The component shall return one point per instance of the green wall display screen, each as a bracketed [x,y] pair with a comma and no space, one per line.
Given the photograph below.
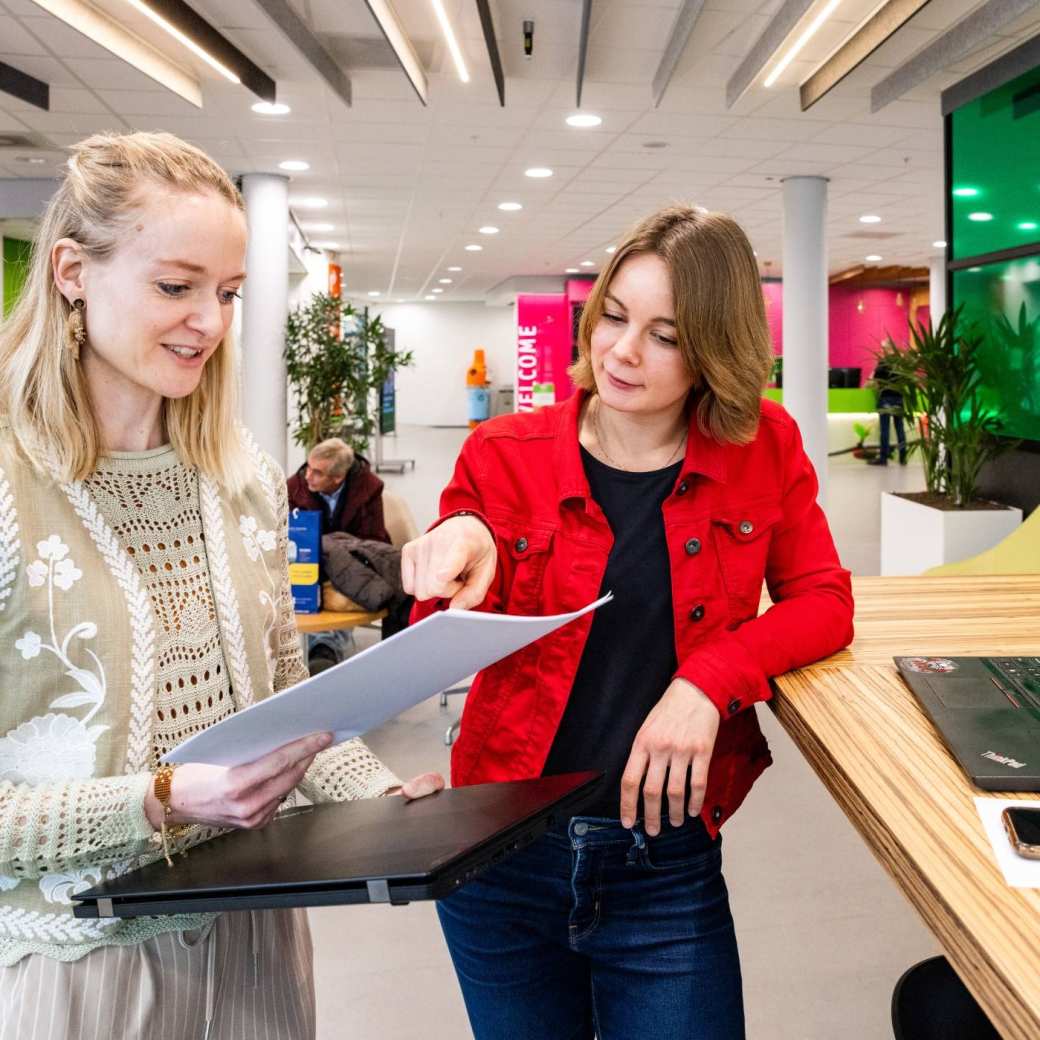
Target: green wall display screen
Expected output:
[16,270]
[1003,299]
[995,170]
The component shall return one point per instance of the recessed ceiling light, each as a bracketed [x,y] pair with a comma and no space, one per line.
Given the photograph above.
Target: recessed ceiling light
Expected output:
[939,243]
[870,218]
[612,249]
[510,207]
[375,292]
[873,258]
[1026,225]
[317,227]
[538,171]
[571,270]
[473,248]
[444,281]
[309,203]
[271,108]
[454,268]
[980,216]
[655,145]
[583,120]
[488,229]
[429,297]
[588,263]
[436,290]
[294,165]
[965,193]
[33,160]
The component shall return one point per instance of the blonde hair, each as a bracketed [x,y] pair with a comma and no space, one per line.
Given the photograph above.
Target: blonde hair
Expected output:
[720,314]
[44,397]
[335,451]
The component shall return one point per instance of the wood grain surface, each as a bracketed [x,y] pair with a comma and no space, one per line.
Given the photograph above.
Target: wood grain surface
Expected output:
[330,621]
[877,753]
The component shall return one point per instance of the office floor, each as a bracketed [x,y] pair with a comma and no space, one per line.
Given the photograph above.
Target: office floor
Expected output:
[824,934]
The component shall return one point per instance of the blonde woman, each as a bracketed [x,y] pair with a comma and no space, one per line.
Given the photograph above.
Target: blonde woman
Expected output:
[669,481]
[143,596]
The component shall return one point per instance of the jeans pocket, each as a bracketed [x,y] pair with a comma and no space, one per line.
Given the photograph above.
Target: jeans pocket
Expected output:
[689,848]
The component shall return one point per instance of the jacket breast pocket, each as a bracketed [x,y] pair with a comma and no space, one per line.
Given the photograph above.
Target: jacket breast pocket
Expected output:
[525,551]
[742,539]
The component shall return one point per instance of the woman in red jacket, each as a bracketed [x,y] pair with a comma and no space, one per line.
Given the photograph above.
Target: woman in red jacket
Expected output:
[669,481]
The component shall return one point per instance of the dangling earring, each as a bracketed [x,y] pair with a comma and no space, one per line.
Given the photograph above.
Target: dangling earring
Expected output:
[75,329]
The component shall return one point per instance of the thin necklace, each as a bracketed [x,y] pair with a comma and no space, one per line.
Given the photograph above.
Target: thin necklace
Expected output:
[603,447]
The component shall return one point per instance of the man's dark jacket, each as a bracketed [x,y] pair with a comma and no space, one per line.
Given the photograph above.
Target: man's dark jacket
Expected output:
[359,510]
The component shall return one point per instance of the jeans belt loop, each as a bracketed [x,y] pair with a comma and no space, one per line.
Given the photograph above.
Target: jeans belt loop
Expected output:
[637,850]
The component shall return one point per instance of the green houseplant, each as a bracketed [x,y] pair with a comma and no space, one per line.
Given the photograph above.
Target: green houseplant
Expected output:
[940,379]
[335,357]
[939,376]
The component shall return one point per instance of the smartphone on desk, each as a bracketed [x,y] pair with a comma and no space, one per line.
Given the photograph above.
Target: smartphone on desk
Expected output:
[1023,830]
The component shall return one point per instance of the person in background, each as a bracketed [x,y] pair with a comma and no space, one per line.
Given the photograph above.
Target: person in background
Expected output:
[343,488]
[890,409]
[144,596]
[667,480]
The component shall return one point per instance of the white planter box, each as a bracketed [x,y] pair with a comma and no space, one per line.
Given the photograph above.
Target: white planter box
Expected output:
[915,537]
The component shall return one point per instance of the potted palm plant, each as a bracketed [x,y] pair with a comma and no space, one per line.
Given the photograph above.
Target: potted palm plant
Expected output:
[940,378]
[335,358]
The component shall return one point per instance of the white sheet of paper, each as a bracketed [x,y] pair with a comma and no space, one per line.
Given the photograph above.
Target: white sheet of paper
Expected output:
[1018,871]
[372,686]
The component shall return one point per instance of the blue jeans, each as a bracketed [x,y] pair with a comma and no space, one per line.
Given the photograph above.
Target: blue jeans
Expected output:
[595,930]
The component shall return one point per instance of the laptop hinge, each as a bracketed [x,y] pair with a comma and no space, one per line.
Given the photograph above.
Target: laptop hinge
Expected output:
[378,891]
[104,908]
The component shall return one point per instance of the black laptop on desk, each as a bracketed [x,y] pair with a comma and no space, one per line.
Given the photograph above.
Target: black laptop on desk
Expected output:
[987,709]
[379,850]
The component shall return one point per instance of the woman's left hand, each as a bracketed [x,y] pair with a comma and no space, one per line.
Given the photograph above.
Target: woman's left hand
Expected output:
[679,733]
[419,786]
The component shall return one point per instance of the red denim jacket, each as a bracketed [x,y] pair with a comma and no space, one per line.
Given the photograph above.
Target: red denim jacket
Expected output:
[738,515]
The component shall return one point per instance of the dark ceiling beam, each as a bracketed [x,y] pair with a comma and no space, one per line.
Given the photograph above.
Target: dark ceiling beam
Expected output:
[882,24]
[25,87]
[583,44]
[197,29]
[487,24]
[967,35]
[682,29]
[309,46]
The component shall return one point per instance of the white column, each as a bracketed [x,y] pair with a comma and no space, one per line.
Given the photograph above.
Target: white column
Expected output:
[805,315]
[936,288]
[265,307]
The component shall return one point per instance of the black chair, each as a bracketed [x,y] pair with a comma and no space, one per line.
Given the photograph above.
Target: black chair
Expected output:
[931,1003]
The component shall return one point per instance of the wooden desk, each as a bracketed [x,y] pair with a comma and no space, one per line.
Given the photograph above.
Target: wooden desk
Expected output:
[875,751]
[331,621]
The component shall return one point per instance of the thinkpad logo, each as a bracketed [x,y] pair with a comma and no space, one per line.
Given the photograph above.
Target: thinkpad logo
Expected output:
[1003,760]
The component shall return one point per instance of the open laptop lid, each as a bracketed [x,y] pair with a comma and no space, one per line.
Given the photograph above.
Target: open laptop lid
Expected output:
[374,850]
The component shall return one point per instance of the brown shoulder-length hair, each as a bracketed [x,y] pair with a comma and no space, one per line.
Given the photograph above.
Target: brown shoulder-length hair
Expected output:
[720,314]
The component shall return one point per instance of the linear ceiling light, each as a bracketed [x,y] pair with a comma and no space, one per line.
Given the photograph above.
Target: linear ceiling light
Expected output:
[810,31]
[114,38]
[453,44]
[390,25]
[487,25]
[183,40]
[884,23]
[682,28]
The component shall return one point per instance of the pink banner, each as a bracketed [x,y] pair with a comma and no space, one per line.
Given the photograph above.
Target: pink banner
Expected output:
[543,349]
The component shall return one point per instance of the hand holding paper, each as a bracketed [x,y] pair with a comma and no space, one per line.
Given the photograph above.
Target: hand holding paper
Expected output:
[373,686]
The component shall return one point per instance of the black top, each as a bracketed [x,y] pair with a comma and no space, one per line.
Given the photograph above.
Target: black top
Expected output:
[629,658]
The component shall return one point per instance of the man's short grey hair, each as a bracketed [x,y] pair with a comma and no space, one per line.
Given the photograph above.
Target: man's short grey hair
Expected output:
[336,452]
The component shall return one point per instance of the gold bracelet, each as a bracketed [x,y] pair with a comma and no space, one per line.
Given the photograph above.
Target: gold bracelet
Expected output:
[162,786]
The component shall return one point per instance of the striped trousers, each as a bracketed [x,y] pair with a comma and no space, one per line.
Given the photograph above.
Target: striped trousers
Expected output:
[246,977]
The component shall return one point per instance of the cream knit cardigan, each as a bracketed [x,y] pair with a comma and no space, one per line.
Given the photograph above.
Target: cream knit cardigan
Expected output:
[78,686]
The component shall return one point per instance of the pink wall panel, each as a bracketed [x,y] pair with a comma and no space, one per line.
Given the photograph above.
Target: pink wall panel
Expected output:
[774,294]
[860,319]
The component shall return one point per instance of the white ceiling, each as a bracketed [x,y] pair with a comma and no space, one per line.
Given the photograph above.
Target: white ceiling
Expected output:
[408,186]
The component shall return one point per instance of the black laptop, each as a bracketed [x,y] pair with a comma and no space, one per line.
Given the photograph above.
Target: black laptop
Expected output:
[988,712]
[379,850]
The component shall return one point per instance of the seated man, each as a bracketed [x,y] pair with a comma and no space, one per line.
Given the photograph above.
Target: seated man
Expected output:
[343,488]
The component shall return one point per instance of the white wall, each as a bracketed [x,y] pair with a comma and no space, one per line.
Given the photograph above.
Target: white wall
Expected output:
[442,337]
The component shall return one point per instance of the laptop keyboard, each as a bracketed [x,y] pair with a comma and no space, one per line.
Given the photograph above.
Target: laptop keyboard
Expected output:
[1022,674]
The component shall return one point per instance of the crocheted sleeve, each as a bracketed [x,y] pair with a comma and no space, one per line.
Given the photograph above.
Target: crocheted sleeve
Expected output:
[349,770]
[64,825]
